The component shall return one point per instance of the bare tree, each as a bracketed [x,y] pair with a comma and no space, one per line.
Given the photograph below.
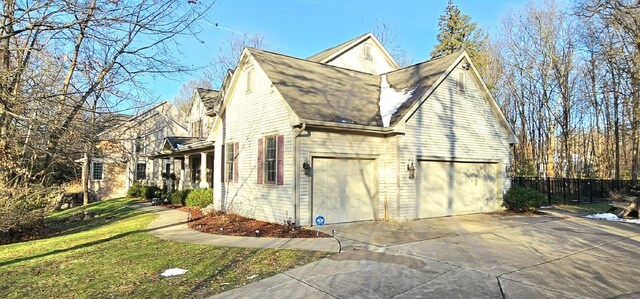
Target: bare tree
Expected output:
[55,56]
[387,35]
[183,98]
[229,54]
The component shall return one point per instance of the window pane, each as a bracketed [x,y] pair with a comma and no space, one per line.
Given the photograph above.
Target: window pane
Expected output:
[229,161]
[270,160]
[141,171]
[97,171]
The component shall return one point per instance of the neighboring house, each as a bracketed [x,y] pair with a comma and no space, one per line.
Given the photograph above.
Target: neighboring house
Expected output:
[349,135]
[123,155]
[190,157]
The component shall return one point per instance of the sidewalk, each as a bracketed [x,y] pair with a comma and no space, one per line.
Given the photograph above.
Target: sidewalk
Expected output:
[172,225]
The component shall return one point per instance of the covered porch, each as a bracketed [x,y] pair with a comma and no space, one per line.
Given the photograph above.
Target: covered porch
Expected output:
[187,163]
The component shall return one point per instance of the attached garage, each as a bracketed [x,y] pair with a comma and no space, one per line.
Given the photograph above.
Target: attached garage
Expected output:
[446,188]
[344,190]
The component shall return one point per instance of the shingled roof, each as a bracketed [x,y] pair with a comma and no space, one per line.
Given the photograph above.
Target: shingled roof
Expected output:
[321,92]
[419,78]
[208,97]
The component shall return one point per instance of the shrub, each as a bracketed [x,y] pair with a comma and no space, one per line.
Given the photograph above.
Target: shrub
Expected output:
[22,211]
[136,190]
[199,198]
[179,197]
[151,191]
[521,199]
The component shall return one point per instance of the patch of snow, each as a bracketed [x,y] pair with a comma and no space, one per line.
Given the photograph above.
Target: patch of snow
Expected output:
[252,276]
[546,207]
[611,217]
[391,100]
[173,272]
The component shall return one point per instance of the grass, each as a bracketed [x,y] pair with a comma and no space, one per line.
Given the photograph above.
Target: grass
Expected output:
[584,209]
[112,256]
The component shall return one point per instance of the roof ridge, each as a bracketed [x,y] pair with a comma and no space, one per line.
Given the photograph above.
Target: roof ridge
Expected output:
[457,53]
[311,61]
[336,48]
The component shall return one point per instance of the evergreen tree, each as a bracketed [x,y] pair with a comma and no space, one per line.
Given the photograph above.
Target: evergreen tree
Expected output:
[458,32]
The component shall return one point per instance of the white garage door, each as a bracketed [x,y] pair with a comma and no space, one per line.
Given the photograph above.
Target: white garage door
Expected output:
[447,188]
[344,190]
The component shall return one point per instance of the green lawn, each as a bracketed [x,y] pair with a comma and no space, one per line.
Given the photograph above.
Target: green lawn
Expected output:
[112,256]
[584,209]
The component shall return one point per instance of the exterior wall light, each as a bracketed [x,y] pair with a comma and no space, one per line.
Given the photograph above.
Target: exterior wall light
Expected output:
[307,167]
[411,169]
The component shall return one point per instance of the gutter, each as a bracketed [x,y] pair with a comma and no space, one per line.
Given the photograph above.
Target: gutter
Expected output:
[296,173]
[352,127]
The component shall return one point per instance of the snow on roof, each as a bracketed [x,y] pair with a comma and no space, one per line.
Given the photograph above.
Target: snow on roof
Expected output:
[391,99]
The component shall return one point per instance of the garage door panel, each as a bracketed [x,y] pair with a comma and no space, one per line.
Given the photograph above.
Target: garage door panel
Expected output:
[344,189]
[447,188]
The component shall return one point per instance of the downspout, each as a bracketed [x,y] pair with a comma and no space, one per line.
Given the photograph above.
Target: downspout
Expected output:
[296,174]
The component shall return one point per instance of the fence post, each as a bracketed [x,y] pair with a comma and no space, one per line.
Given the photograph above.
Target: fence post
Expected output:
[564,190]
[549,190]
[577,182]
[590,191]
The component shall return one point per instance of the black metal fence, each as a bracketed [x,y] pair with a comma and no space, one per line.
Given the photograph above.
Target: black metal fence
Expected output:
[573,191]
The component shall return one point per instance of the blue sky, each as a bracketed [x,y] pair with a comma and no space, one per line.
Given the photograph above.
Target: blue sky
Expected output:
[302,28]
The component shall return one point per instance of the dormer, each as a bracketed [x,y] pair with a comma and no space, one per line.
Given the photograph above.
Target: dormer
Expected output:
[198,122]
[363,53]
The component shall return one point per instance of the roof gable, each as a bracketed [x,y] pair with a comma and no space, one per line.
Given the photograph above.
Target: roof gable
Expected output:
[332,54]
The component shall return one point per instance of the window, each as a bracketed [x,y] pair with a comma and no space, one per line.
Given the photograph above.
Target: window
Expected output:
[97,170]
[195,169]
[229,161]
[249,80]
[367,52]
[167,167]
[461,81]
[139,145]
[141,171]
[270,159]
[196,128]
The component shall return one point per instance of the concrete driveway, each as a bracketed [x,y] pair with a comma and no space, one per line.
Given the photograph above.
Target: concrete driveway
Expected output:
[475,256]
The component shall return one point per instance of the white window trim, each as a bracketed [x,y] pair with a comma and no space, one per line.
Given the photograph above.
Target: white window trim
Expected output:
[91,171]
[367,52]
[265,172]
[250,80]
[145,170]
[228,171]
[462,84]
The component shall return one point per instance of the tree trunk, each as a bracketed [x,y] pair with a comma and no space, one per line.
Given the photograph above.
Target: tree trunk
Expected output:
[85,179]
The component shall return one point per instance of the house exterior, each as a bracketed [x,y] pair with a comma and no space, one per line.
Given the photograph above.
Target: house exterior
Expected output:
[124,151]
[189,157]
[349,135]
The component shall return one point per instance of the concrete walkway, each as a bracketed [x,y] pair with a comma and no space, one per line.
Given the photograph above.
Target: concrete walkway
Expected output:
[172,225]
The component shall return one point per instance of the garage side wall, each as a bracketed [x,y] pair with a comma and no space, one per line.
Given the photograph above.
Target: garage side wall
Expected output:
[453,125]
[337,145]
[250,115]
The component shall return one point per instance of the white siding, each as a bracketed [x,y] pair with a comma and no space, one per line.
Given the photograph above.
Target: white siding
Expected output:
[328,144]
[249,116]
[197,113]
[452,125]
[354,59]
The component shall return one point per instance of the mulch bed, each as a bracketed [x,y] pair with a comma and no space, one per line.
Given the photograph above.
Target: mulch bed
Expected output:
[220,223]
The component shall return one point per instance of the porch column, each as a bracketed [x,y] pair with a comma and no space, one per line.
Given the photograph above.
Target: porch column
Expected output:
[168,179]
[203,170]
[186,174]
[158,168]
